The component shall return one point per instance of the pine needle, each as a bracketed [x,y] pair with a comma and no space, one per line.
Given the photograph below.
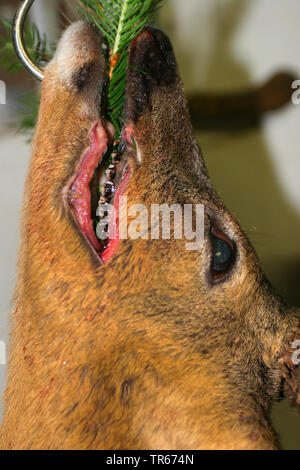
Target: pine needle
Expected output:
[39,49]
[120,21]
[27,112]
[41,52]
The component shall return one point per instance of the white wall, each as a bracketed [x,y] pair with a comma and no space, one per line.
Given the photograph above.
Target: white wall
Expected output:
[254,38]
[220,44]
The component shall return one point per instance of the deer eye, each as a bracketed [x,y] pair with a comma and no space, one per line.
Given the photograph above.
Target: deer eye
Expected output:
[223,254]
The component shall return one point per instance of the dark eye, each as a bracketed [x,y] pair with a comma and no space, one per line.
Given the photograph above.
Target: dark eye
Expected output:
[223,254]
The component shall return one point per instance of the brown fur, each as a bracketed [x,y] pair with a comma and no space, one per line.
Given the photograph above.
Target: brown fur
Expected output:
[145,352]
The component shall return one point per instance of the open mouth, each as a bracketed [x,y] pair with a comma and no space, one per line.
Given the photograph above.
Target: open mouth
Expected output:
[96,187]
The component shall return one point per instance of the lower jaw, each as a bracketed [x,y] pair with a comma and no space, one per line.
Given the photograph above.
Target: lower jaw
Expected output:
[79,194]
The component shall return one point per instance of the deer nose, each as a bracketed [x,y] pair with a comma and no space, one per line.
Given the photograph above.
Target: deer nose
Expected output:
[145,34]
[151,54]
[152,65]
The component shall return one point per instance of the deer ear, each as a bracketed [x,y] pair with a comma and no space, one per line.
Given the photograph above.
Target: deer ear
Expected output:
[290,365]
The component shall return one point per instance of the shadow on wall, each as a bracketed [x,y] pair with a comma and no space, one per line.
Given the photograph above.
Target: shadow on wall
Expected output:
[243,172]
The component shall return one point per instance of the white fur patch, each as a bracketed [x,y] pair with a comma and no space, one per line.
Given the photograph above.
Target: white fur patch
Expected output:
[138,155]
[79,45]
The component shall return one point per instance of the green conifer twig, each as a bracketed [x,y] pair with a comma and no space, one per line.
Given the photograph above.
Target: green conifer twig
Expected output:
[120,21]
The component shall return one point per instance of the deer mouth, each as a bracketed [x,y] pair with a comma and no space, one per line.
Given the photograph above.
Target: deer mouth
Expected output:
[95,190]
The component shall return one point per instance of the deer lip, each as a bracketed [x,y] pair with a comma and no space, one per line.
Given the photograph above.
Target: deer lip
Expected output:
[79,196]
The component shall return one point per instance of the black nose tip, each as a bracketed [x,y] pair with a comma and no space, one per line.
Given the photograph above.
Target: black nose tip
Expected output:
[152,54]
[151,65]
[145,34]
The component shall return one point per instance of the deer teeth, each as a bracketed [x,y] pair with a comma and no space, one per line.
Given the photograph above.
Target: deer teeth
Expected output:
[112,172]
[108,189]
[108,183]
[116,157]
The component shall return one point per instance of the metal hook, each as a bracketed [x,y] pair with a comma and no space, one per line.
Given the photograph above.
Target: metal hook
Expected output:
[18,40]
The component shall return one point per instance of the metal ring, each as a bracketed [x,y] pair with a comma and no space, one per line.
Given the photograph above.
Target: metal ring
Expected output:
[18,40]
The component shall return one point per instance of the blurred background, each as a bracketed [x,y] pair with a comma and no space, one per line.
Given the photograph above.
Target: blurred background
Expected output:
[222,47]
